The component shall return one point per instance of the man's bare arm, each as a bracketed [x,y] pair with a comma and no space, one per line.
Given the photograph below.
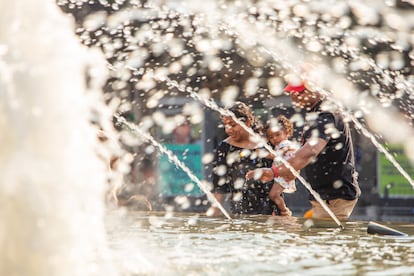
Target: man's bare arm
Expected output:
[298,161]
[302,157]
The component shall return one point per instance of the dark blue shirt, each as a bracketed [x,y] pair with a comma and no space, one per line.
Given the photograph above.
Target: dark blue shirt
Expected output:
[332,173]
[229,176]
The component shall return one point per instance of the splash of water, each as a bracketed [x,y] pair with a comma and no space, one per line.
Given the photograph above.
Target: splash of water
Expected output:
[52,180]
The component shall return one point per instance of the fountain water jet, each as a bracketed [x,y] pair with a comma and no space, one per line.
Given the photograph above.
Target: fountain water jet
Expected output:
[53,181]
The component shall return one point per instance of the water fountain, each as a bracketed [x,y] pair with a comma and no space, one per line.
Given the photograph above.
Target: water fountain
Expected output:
[55,181]
[52,180]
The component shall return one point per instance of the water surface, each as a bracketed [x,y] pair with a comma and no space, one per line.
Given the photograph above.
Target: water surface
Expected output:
[193,244]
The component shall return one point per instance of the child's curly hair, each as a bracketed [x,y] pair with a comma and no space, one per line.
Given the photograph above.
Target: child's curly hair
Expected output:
[280,122]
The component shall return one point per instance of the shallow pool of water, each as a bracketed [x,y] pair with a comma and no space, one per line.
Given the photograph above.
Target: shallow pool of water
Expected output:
[193,244]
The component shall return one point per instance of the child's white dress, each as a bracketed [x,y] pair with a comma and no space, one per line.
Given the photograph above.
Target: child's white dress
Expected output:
[286,149]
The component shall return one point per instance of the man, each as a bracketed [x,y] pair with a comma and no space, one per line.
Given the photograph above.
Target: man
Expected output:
[326,157]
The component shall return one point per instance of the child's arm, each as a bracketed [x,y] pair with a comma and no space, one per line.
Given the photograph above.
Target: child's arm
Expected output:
[263,153]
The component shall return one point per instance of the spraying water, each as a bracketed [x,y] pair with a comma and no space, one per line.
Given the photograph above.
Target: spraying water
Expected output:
[52,180]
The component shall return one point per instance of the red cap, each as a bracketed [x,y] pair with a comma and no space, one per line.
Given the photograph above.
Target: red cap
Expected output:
[295,88]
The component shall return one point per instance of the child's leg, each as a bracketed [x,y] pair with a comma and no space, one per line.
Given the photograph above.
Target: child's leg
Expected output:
[275,194]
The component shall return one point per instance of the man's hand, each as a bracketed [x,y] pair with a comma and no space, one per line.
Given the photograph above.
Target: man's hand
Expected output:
[264,174]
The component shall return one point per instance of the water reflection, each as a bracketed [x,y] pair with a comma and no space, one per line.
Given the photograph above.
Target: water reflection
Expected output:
[193,244]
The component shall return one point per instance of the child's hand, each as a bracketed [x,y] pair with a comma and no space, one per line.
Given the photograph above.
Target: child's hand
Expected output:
[250,174]
[264,174]
[288,152]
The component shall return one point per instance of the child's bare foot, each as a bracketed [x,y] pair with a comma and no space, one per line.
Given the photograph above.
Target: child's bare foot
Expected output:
[286,213]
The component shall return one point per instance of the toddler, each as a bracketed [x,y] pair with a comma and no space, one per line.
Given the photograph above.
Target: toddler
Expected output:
[278,131]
